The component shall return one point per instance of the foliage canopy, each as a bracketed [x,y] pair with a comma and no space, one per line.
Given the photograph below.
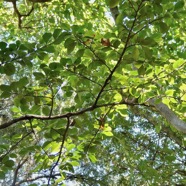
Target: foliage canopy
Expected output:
[92,92]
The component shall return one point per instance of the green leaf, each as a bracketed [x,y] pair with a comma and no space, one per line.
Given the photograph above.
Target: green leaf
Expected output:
[6,94]
[13,155]
[92,158]
[39,75]
[178,63]
[3,146]
[24,108]
[70,146]
[119,21]
[141,70]
[55,66]
[12,47]
[148,52]
[17,136]
[47,37]
[163,27]
[41,55]
[136,53]
[61,38]
[70,45]
[118,97]
[57,32]
[170,158]
[15,109]
[49,49]
[89,34]
[113,3]
[80,53]
[74,163]
[52,146]
[179,5]
[88,53]
[9,69]
[3,45]
[170,92]
[22,82]
[158,128]
[9,163]
[166,101]
[68,167]
[107,133]
[54,134]
[46,110]
[2,175]
[5,88]
[147,41]
[36,108]
[116,43]
[101,54]
[122,111]
[22,47]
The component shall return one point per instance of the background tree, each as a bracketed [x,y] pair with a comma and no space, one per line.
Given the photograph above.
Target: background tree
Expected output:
[92,91]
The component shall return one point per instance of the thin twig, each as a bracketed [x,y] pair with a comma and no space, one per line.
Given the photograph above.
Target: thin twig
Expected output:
[60,150]
[91,49]
[120,58]
[19,15]
[20,164]
[36,178]
[83,76]
[52,100]
[101,121]
[14,146]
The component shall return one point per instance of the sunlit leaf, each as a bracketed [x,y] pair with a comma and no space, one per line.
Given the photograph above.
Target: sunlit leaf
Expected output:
[136,53]
[178,63]
[70,146]
[74,163]
[118,97]
[170,92]
[107,133]
[92,158]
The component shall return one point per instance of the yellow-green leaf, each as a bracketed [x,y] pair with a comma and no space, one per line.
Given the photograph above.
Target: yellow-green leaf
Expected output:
[113,3]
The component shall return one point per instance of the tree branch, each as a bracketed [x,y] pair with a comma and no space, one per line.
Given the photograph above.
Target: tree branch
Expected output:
[19,14]
[20,164]
[36,178]
[169,115]
[69,114]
